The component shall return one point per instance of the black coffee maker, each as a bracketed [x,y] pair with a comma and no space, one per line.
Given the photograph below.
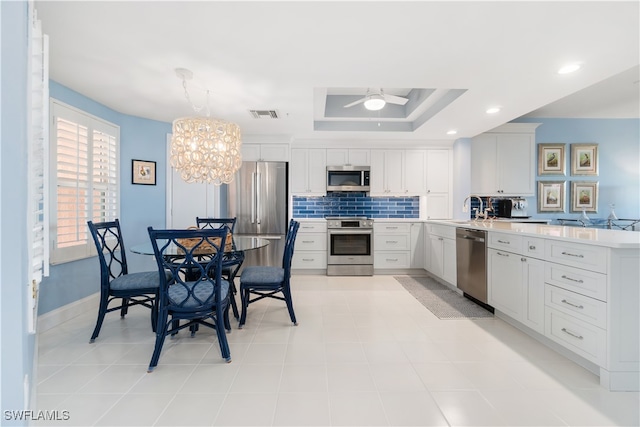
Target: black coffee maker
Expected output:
[512,208]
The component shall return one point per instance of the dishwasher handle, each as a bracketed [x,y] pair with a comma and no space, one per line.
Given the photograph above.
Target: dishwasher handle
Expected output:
[475,239]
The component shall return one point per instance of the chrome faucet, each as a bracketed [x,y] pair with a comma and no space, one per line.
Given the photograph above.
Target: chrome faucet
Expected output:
[479,212]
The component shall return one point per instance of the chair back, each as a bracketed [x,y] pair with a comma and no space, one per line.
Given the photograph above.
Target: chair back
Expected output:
[230,223]
[108,239]
[290,241]
[194,259]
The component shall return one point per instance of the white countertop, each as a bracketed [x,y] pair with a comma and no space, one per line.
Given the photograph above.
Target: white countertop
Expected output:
[593,236]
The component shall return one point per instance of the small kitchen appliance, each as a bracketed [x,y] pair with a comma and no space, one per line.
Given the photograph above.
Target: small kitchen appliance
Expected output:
[515,207]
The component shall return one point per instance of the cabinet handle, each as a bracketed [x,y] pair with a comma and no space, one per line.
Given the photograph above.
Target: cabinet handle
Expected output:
[575,255]
[440,238]
[572,305]
[572,279]
[392,241]
[392,259]
[388,227]
[532,248]
[307,241]
[501,254]
[502,241]
[580,337]
[308,259]
[523,259]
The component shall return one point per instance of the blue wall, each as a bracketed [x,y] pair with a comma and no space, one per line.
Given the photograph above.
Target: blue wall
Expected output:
[140,205]
[619,162]
[16,344]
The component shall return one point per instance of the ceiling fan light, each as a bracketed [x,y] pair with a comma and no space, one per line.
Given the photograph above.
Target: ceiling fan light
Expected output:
[374,103]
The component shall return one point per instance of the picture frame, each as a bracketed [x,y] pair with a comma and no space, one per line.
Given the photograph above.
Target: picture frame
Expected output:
[584,159]
[584,196]
[551,196]
[551,159]
[143,172]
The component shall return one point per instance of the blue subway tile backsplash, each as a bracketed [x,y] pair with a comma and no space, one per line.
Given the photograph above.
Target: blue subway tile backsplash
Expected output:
[355,204]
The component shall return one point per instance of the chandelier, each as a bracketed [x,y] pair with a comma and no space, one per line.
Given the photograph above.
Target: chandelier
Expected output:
[204,149]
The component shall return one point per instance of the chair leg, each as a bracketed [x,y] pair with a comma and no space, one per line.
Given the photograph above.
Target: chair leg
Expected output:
[222,336]
[232,298]
[227,324]
[154,313]
[289,301]
[161,333]
[244,298]
[102,310]
[125,307]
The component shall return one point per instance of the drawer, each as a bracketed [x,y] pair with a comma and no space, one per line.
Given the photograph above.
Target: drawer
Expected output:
[584,308]
[311,242]
[392,227]
[508,242]
[441,230]
[392,242]
[392,259]
[583,282]
[310,259]
[589,257]
[580,337]
[533,247]
[313,227]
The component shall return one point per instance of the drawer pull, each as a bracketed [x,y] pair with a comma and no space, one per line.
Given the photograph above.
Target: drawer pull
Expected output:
[501,254]
[575,255]
[532,248]
[440,238]
[572,305]
[392,241]
[572,279]
[391,228]
[308,259]
[502,241]
[580,337]
[392,259]
[307,241]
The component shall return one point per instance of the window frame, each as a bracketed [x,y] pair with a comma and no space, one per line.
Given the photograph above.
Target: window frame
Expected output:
[86,249]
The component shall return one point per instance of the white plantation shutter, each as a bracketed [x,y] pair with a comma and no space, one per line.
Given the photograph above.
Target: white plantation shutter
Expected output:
[86,180]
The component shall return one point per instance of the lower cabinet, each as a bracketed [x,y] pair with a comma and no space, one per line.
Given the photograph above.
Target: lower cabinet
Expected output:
[440,251]
[398,245]
[311,246]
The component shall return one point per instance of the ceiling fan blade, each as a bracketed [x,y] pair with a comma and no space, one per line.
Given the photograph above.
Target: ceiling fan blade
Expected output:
[359,101]
[392,99]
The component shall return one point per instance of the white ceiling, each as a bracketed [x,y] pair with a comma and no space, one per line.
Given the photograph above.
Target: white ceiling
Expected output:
[287,56]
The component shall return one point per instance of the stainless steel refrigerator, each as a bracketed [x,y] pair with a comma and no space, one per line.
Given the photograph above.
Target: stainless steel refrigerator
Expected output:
[258,198]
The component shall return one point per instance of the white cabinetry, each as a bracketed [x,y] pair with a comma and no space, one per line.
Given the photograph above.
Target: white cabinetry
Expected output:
[440,252]
[438,184]
[387,168]
[503,161]
[347,156]
[308,171]
[265,152]
[311,246]
[391,245]
[516,278]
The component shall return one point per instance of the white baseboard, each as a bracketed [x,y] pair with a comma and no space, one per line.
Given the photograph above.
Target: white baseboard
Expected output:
[67,312]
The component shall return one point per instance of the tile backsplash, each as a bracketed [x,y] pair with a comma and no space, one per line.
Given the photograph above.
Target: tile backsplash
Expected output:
[356,204]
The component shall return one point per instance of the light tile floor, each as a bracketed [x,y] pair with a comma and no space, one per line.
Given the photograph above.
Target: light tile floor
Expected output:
[365,353]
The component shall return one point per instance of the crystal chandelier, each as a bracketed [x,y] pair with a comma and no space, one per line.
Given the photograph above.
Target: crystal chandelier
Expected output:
[204,149]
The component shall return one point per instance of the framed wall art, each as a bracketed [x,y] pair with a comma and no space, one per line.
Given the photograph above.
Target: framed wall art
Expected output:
[551,196]
[551,159]
[584,159]
[584,196]
[143,172]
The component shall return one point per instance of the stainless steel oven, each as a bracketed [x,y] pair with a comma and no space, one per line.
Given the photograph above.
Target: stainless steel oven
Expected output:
[350,246]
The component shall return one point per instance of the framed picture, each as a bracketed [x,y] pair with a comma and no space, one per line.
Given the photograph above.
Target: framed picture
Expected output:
[584,196]
[584,159]
[551,159]
[551,196]
[143,172]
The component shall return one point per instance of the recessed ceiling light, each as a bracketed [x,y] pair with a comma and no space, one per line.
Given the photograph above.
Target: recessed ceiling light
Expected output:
[452,132]
[493,110]
[569,68]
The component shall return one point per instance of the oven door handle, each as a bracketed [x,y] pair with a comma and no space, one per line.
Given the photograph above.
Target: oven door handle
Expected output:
[349,231]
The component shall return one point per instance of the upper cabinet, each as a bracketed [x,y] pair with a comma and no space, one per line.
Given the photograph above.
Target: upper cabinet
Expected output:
[387,169]
[503,161]
[438,184]
[308,171]
[345,156]
[265,152]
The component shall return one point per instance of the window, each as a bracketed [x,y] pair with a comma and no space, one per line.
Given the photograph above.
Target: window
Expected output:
[84,179]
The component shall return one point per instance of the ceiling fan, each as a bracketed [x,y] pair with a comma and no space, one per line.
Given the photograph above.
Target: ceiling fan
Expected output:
[376,99]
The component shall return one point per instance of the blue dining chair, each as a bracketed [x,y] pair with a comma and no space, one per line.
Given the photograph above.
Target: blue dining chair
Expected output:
[268,281]
[231,261]
[116,283]
[195,291]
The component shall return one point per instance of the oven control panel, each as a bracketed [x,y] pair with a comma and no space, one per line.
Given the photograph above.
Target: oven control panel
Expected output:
[349,223]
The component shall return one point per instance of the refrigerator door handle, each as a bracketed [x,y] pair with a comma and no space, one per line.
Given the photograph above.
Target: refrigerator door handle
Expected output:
[253,198]
[258,194]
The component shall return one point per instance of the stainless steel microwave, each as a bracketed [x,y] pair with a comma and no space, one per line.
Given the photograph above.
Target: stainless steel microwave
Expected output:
[348,178]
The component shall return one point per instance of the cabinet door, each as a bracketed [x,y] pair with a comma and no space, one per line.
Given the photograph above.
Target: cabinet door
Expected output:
[417,245]
[533,279]
[483,165]
[436,255]
[515,163]
[505,282]
[274,152]
[376,180]
[437,171]
[415,178]
[250,152]
[393,172]
[337,156]
[449,272]
[359,157]
[317,171]
[438,206]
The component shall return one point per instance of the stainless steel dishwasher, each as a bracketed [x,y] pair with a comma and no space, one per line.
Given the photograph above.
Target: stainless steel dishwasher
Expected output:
[471,263]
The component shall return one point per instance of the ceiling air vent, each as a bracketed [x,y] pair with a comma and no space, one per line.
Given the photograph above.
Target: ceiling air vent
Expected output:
[264,114]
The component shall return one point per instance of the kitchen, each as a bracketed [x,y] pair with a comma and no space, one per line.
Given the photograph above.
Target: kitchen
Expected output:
[143,138]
